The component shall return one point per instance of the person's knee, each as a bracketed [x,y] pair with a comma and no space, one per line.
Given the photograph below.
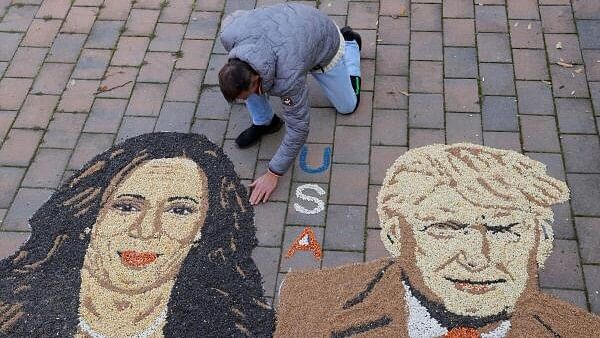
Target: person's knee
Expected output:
[347,107]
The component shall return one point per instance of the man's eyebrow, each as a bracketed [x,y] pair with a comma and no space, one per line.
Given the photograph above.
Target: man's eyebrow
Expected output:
[182,198]
[136,196]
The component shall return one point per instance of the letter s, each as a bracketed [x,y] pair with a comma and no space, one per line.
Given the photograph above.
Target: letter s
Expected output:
[300,195]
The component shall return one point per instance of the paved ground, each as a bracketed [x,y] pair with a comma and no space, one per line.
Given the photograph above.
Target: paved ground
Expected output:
[497,72]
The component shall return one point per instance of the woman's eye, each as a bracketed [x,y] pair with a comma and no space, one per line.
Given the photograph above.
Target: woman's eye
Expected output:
[125,207]
[182,211]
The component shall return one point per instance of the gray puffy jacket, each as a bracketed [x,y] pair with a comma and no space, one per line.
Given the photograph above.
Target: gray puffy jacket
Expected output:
[283,43]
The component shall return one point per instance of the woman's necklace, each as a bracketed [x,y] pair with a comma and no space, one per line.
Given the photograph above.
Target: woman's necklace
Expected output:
[85,327]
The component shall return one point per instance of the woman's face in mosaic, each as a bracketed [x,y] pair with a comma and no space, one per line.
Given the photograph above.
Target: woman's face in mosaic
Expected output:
[474,260]
[147,226]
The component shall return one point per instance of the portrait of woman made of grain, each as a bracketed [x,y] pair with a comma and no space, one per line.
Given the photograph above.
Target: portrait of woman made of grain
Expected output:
[152,238]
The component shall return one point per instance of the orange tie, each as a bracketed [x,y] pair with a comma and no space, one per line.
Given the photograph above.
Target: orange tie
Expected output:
[462,332]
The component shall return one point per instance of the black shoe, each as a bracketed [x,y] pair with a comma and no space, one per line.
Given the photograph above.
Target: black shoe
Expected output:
[350,35]
[355,81]
[253,134]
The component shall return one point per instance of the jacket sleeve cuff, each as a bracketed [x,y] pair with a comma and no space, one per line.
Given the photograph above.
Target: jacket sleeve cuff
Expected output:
[275,172]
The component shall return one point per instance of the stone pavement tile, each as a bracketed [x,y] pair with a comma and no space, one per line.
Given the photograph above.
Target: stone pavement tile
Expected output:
[309,196]
[526,34]
[301,260]
[266,260]
[585,193]
[317,158]
[132,126]
[381,159]
[329,7]
[118,82]
[539,133]
[345,228]
[422,137]
[3,66]
[563,268]
[586,9]
[349,184]
[141,22]
[462,127]
[244,160]
[105,116]
[567,83]
[88,2]
[591,58]
[215,63]
[239,120]
[26,62]
[426,46]
[268,145]
[592,279]
[502,140]
[214,130]
[338,258]
[458,9]
[11,241]
[41,33]
[146,99]
[89,145]
[63,130]
[176,11]
[78,96]
[316,95]
[52,78]
[392,60]
[210,5]
[557,19]
[66,48]
[375,248]
[461,95]
[56,9]
[459,32]
[10,43]
[426,77]
[212,104]
[92,64]
[392,7]
[114,10]
[575,116]
[18,18]
[460,62]
[10,178]
[530,64]
[500,113]
[13,92]
[322,125]
[351,145]
[390,127]
[523,9]
[203,25]
[176,116]
[367,70]
[576,297]
[426,17]
[493,47]
[563,221]
[363,115]
[491,19]
[369,42]
[388,92]
[588,232]
[363,15]
[582,153]
[130,51]
[26,203]
[151,4]
[500,79]
[104,34]
[168,37]
[157,67]
[36,112]
[6,120]
[595,91]
[535,98]
[426,111]
[196,54]
[79,20]
[569,51]
[19,147]
[393,30]
[282,192]
[554,164]
[47,168]
[372,216]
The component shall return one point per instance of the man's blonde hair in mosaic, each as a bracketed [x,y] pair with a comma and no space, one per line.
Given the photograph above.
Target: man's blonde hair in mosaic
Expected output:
[484,176]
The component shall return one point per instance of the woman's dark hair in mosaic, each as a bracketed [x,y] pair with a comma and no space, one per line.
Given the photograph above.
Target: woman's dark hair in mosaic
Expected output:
[218,290]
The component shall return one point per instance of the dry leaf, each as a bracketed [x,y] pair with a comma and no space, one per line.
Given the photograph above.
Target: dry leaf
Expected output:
[559,45]
[103,88]
[547,82]
[579,70]
[573,93]
[564,64]
[516,24]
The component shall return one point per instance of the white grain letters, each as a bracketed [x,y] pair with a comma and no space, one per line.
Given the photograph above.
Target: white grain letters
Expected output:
[300,195]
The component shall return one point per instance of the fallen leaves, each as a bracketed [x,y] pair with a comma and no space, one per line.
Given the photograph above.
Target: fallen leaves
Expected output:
[558,45]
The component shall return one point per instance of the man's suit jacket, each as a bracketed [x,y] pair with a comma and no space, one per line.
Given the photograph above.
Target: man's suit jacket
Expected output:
[367,300]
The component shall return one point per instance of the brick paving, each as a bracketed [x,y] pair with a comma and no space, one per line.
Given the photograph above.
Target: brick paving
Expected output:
[515,74]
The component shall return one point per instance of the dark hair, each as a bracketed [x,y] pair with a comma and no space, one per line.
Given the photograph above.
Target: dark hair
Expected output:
[218,290]
[234,78]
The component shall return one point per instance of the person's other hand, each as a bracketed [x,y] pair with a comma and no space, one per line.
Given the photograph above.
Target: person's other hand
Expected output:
[263,187]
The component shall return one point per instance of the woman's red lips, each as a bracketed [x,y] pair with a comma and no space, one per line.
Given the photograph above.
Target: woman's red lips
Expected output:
[136,259]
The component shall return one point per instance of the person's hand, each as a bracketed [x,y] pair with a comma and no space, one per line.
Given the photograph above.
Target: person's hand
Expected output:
[263,187]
